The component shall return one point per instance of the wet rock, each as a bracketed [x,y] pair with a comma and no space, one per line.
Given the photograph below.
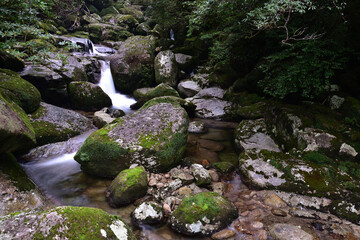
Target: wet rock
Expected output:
[196,127]
[159,91]
[278,212]
[148,213]
[296,200]
[132,65]
[184,61]
[288,231]
[347,210]
[154,137]
[212,108]
[215,177]
[211,145]
[55,124]
[166,69]
[256,225]
[218,187]
[128,186]
[16,132]
[201,175]
[224,234]
[184,191]
[202,214]
[224,167]
[273,200]
[141,92]
[336,102]
[188,88]
[252,135]
[348,150]
[10,62]
[64,223]
[16,89]
[88,96]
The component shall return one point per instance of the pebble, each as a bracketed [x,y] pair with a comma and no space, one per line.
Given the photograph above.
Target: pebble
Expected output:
[185,191]
[254,214]
[278,212]
[152,182]
[281,231]
[274,200]
[224,234]
[244,214]
[159,185]
[257,225]
[167,209]
[214,175]
[261,234]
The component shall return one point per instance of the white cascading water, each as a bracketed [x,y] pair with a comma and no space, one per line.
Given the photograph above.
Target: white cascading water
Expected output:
[172,35]
[119,101]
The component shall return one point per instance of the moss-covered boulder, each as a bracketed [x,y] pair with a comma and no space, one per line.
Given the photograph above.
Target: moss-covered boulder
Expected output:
[160,90]
[312,174]
[16,131]
[65,223]
[154,137]
[16,89]
[141,92]
[88,96]
[10,62]
[166,68]
[142,29]
[129,185]
[55,124]
[133,65]
[203,214]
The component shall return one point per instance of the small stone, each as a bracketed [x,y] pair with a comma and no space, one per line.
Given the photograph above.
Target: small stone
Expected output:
[279,212]
[218,187]
[201,175]
[336,102]
[261,234]
[167,209]
[243,228]
[196,127]
[245,213]
[152,182]
[282,231]
[257,225]
[159,185]
[214,176]
[167,175]
[346,149]
[185,191]
[224,234]
[274,200]
[255,213]
[248,237]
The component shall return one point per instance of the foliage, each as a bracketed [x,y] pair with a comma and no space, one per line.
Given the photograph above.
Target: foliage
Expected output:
[305,68]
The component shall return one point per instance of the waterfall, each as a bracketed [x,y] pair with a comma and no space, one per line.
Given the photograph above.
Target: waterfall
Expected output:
[172,36]
[119,101]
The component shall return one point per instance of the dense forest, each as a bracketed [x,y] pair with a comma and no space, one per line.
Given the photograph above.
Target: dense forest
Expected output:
[180,119]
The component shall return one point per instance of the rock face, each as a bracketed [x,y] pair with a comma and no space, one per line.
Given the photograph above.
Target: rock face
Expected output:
[128,186]
[148,213]
[55,124]
[132,65]
[10,62]
[88,96]
[203,214]
[160,90]
[16,132]
[64,223]
[166,68]
[252,135]
[16,89]
[212,108]
[154,137]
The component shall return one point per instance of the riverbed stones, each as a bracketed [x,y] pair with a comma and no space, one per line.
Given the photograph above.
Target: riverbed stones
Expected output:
[148,213]
[132,65]
[197,127]
[166,69]
[154,137]
[201,175]
[18,90]
[64,223]
[129,185]
[203,214]
[88,96]
[253,135]
[188,88]
[281,231]
[16,131]
[55,124]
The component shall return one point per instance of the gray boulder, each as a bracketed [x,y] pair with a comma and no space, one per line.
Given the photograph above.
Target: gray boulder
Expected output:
[188,88]
[166,69]
[154,137]
[214,92]
[201,175]
[55,124]
[148,213]
[253,135]
[184,61]
[212,108]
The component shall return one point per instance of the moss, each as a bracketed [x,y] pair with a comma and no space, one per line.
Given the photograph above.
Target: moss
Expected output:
[345,210]
[318,158]
[16,89]
[225,167]
[10,167]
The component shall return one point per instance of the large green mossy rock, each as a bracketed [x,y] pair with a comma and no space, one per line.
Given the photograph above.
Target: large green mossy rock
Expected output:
[88,96]
[153,137]
[10,62]
[312,174]
[16,131]
[129,185]
[160,90]
[16,89]
[55,124]
[203,214]
[133,65]
[166,68]
[64,223]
